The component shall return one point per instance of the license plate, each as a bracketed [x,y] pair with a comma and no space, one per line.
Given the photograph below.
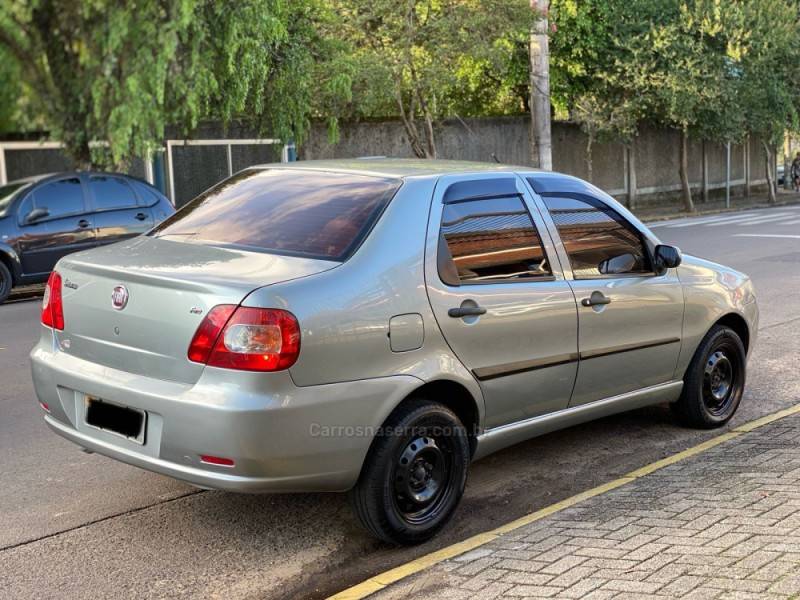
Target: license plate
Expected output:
[121,420]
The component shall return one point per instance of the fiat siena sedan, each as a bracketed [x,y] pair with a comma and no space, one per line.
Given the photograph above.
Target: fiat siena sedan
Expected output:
[376,325]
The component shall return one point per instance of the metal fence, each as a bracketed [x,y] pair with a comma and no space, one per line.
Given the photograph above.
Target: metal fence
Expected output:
[183,169]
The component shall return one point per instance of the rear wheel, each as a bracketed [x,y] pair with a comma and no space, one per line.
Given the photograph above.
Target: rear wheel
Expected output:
[714,382]
[6,282]
[414,474]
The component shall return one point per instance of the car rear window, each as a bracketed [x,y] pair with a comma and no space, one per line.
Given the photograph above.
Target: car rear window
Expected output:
[318,214]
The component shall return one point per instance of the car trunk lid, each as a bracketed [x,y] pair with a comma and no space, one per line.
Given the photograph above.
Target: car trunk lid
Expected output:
[170,287]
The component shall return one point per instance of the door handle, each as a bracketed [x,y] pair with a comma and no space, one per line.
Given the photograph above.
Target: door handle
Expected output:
[140,217]
[83,223]
[596,299]
[466,311]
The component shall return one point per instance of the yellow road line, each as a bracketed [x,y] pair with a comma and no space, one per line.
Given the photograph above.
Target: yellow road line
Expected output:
[382,580]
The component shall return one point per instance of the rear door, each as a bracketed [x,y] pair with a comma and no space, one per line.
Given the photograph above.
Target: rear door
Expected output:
[67,227]
[630,317]
[499,296]
[119,214]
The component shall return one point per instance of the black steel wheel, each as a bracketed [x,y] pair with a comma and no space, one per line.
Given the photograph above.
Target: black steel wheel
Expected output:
[6,282]
[714,382]
[414,474]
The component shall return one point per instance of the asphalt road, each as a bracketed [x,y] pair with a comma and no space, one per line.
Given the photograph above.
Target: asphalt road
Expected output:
[74,525]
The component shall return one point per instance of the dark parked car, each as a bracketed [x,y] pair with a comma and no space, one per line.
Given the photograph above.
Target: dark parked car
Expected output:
[46,217]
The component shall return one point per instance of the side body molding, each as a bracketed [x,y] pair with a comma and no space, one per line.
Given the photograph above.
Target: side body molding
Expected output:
[501,437]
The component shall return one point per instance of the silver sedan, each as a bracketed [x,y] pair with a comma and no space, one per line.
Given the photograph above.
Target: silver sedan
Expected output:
[376,325]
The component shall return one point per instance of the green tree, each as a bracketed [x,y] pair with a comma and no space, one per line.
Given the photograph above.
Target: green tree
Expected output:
[766,76]
[113,72]
[708,68]
[415,58]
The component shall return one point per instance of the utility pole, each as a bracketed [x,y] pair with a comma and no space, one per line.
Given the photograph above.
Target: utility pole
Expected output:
[541,148]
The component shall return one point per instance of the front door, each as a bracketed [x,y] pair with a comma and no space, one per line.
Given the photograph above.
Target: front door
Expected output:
[629,317]
[499,296]
[64,227]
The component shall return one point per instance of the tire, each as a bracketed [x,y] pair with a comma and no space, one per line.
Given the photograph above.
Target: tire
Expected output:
[714,382]
[414,474]
[6,282]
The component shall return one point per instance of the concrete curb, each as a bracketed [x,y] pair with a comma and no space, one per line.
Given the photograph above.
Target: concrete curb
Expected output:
[714,211]
[383,580]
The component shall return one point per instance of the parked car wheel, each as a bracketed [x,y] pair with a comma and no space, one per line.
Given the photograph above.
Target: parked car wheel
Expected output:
[414,475]
[714,381]
[6,282]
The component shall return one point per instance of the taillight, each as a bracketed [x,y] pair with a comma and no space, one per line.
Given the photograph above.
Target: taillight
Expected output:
[52,303]
[206,335]
[249,339]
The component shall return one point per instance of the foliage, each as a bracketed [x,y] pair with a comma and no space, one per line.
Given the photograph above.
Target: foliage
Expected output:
[120,72]
[427,59]
[718,70]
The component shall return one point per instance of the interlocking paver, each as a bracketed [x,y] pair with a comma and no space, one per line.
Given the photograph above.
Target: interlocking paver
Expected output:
[724,524]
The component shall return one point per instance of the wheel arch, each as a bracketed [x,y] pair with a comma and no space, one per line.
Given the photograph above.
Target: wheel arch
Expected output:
[10,259]
[738,323]
[457,398]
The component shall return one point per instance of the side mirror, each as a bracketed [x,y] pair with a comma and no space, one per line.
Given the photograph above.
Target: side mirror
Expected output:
[37,214]
[667,257]
[623,263]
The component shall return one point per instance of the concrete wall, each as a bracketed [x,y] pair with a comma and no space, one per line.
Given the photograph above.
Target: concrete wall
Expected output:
[657,153]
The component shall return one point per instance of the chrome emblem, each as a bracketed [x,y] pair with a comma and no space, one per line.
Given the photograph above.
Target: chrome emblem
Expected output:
[70,284]
[119,297]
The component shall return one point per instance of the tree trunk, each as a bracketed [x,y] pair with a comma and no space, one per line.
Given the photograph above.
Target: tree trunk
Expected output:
[747,174]
[410,126]
[684,172]
[704,195]
[787,162]
[538,53]
[589,158]
[430,150]
[632,183]
[770,183]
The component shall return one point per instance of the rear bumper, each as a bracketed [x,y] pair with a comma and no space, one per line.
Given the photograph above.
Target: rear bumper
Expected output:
[282,438]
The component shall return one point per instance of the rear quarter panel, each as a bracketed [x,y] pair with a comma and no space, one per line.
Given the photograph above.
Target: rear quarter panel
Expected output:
[344,313]
[712,291]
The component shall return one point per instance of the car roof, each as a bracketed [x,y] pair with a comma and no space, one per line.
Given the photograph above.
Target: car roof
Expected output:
[397,167]
[30,179]
[56,174]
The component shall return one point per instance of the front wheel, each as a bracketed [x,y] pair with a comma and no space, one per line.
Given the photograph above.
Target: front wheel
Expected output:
[414,474]
[714,382]
[5,282]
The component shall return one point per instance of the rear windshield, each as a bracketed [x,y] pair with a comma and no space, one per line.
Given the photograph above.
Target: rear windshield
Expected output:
[286,211]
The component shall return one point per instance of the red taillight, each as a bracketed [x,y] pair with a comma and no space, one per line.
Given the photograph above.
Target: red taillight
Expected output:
[52,303]
[249,339]
[206,335]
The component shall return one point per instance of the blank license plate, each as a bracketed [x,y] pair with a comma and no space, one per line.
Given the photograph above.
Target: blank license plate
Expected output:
[122,420]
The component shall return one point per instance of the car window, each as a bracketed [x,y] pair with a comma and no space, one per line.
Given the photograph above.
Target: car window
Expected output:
[7,194]
[491,240]
[61,198]
[147,195]
[599,242]
[318,214]
[111,192]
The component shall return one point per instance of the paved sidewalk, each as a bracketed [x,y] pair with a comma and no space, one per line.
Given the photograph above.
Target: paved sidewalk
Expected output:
[721,524]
